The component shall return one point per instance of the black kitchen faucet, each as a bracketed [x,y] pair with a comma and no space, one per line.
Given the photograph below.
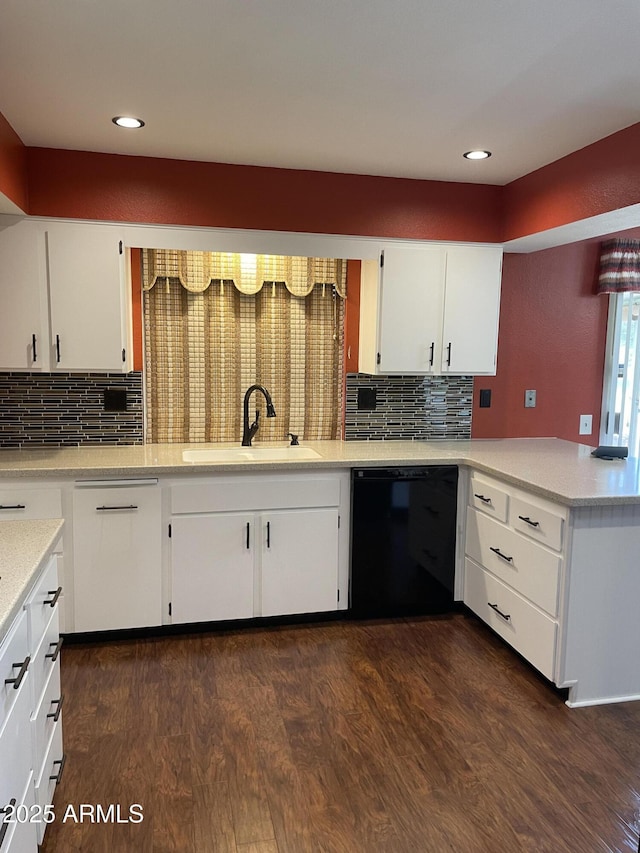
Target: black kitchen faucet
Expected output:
[249,431]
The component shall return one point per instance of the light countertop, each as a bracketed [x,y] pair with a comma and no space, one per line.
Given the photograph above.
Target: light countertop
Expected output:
[25,546]
[560,470]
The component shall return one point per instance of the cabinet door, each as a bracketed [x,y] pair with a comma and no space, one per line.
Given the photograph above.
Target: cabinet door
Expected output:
[471,309]
[89,307]
[411,310]
[299,561]
[24,341]
[117,557]
[212,560]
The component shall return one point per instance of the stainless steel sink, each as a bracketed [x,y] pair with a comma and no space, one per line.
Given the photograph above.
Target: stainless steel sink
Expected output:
[249,454]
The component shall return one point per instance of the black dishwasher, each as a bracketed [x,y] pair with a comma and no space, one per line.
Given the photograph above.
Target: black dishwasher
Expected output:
[403,534]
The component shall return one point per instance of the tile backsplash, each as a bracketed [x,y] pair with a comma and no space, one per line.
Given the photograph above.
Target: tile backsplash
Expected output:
[67,409]
[408,407]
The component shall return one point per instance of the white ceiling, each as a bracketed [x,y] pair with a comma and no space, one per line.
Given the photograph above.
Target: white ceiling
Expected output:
[367,86]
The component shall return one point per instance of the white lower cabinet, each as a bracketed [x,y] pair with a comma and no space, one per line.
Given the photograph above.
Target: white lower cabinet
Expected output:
[117,555]
[212,567]
[257,546]
[31,749]
[514,568]
[299,561]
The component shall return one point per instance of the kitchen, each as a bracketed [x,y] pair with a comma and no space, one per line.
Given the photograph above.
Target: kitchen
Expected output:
[170,197]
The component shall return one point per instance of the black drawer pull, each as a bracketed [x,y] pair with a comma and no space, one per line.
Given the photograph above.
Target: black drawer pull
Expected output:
[500,554]
[53,656]
[55,716]
[12,506]
[528,520]
[505,616]
[482,498]
[56,595]
[58,775]
[17,681]
[108,508]
[4,826]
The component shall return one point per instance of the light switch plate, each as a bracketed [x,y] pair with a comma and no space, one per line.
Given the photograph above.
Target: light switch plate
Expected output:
[529,399]
[586,424]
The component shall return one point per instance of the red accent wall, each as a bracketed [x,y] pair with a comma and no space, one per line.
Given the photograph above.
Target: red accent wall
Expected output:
[85,185]
[13,165]
[552,339]
[602,177]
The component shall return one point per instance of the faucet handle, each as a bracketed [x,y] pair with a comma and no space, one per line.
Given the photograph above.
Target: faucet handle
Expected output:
[294,439]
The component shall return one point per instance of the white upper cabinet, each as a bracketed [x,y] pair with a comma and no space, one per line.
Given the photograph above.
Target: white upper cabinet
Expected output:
[65,298]
[24,338]
[88,298]
[431,310]
[471,310]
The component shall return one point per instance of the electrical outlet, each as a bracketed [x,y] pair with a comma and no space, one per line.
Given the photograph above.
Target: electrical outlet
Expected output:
[529,399]
[586,424]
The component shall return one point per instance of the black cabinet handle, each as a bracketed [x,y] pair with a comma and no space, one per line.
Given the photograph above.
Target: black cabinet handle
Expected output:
[55,716]
[528,520]
[4,826]
[53,656]
[110,508]
[449,355]
[34,347]
[248,530]
[56,595]
[12,506]
[431,350]
[17,681]
[58,349]
[505,616]
[268,534]
[58,775]
[500,554]
[482,498]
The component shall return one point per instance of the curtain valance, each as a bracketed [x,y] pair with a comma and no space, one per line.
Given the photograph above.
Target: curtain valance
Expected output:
[196,270]
[619,266]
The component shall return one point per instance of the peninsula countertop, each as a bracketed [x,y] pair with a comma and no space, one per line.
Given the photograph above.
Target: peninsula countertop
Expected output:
[561,470]
[25,546]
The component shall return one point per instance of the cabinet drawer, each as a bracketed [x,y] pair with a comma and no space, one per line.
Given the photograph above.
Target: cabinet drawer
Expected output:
[522,625]
[14,650]
[45,659]
[524,565]
[50,774]
[544,525]
[15,748]
[46,715]
[22,836]
[486,496]
[43,603]
[258,493]
[30,503]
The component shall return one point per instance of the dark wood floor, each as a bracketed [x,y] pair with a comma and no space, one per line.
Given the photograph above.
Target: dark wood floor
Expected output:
[420,735]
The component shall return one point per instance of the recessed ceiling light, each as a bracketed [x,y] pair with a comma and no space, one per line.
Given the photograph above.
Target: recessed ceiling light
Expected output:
[477,155]
[127,121]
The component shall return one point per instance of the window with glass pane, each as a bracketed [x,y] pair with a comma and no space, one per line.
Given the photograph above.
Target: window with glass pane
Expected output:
[621,397]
